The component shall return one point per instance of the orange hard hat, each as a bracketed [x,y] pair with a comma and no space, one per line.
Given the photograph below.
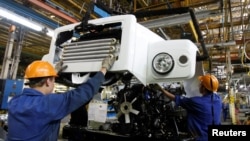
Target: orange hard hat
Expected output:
[210,82]
[40,69]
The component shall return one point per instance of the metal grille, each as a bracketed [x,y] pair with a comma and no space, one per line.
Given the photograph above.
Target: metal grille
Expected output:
[92,50]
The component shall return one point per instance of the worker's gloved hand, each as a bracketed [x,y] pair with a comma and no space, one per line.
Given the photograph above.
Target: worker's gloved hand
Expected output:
[155,86]
[108,62]
[60,67]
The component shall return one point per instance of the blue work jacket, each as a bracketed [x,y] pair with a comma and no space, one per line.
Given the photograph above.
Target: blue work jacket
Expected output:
[33,116]
[199,113]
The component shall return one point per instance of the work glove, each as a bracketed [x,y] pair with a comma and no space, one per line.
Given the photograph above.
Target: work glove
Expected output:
[108,62]
[155,87]
[60,67]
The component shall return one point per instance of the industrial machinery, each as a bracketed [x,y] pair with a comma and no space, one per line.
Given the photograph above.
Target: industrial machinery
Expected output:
[8,89]
[10,86]
[134,109]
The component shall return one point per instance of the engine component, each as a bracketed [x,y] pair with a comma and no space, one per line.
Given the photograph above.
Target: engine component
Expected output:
[142,112]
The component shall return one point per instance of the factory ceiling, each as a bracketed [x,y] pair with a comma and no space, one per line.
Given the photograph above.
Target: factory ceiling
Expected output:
[223,27]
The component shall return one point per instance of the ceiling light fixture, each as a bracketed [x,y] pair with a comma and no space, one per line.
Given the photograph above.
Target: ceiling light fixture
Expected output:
[23,21]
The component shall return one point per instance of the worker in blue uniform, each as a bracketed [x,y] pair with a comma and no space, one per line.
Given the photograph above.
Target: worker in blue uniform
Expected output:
[201,110]
[35,115]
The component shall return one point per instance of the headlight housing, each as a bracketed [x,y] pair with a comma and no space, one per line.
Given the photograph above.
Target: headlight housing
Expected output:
[163,63]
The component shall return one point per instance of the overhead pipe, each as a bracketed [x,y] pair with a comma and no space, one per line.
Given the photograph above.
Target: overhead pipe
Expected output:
[176,19]
[221,44]
[147,6]
[53,10]
[223,57]
[205,54]
[58,6]
[142,14]
[27,12]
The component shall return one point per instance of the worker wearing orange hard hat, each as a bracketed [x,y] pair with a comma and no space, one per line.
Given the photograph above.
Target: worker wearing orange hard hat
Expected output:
[36,114]
[203,110]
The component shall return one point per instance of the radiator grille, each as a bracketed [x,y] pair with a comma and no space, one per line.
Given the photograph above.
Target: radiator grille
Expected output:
[92,50]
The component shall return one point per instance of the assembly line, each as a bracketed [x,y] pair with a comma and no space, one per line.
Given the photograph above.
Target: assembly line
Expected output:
[122,81]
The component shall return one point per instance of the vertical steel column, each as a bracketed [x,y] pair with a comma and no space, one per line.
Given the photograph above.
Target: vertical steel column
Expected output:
[8,52]
[231,91]
[17,54]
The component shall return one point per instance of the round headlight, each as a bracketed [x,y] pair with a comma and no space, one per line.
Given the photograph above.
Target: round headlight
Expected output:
[163,63]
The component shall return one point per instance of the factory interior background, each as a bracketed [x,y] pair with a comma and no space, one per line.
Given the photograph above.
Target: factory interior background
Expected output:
[222,28]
